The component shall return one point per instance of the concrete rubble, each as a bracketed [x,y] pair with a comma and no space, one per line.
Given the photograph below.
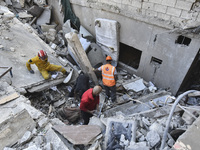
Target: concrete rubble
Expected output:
[29,105]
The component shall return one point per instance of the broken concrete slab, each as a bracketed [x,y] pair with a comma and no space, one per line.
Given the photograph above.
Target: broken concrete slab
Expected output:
[76,48]
[45,17]
[23,15]
[153,138]
[24,36]
[136,86]
[11,129]
[95,55]
[46,28]
[107,37]
[188,139]
[8,98]
[131,108]
[79,134]
[36,11]
[56,141]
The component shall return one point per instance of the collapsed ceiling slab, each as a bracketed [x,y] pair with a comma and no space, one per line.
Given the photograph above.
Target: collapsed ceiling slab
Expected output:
[19,43]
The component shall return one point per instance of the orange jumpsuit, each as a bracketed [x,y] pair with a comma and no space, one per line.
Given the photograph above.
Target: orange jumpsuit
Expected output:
[44,66]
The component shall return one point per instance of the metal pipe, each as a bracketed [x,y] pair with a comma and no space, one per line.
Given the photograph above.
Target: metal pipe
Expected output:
[9,69]
[170,117]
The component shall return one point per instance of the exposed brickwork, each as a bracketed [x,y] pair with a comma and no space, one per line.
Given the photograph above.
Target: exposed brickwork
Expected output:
[175,11]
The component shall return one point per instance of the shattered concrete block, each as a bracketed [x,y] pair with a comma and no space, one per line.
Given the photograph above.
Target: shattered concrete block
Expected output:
[11,129]
[40,2]
[46,28]
[157,127]
[23,15]
[26,137]
[8,2]
[138,146]
[37,141]
[136,86]
[12,49]
[188,118]
[48,146]
[43,122]
[52,137]
[22,2]
[153,138]
[36,11]
[44,17]
[96,121]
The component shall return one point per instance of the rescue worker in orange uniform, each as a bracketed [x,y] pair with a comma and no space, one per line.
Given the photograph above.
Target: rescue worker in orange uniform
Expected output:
[109,78]
[41,61]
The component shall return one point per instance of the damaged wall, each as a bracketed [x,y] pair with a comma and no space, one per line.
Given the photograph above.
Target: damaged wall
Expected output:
[149,27]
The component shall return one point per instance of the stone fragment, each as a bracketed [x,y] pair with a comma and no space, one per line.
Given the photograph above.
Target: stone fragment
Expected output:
[58,144]
[8,2]
[138,146]
[43,122]
[35,10]
[59,103]
[96,121]
[12,49]
[46,28]
[48,146]
[40,2]
[26,137]
[44,17]
[136,86]
[23,15]
[153,138]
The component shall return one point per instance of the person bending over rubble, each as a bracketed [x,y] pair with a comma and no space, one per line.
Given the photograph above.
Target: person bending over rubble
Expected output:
[109,78]
[90,103]
[81,85]
[41,61]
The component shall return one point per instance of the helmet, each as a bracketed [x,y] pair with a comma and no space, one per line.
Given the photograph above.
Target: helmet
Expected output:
[42,54]
[108,58]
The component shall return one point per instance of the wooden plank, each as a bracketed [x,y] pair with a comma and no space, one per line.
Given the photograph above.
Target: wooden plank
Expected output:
[9,98]
[75,46]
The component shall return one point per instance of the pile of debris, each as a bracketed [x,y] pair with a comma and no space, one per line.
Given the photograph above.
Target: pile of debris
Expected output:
[136,121]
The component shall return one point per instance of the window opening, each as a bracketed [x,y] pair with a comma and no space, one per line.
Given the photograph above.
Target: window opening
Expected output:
[130,55]
[183,40]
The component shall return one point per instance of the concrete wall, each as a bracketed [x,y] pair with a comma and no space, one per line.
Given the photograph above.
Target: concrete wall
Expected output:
[139,30]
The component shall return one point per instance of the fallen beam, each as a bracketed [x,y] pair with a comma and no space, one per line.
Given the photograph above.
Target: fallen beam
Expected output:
[80,55]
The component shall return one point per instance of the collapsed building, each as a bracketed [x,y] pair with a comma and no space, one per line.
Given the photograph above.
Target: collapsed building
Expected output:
[155,47]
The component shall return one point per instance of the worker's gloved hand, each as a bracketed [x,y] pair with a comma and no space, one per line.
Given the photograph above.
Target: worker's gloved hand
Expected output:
[31,71]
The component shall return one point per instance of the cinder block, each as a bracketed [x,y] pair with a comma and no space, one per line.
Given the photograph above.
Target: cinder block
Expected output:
[174,11]
[137,3]
[190,1]
[160,8]
[164,16]
[147,5]
[185,15]
[156,1]
[170,3]
[151,13]
[132,9]
[176,20]
[183,5]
